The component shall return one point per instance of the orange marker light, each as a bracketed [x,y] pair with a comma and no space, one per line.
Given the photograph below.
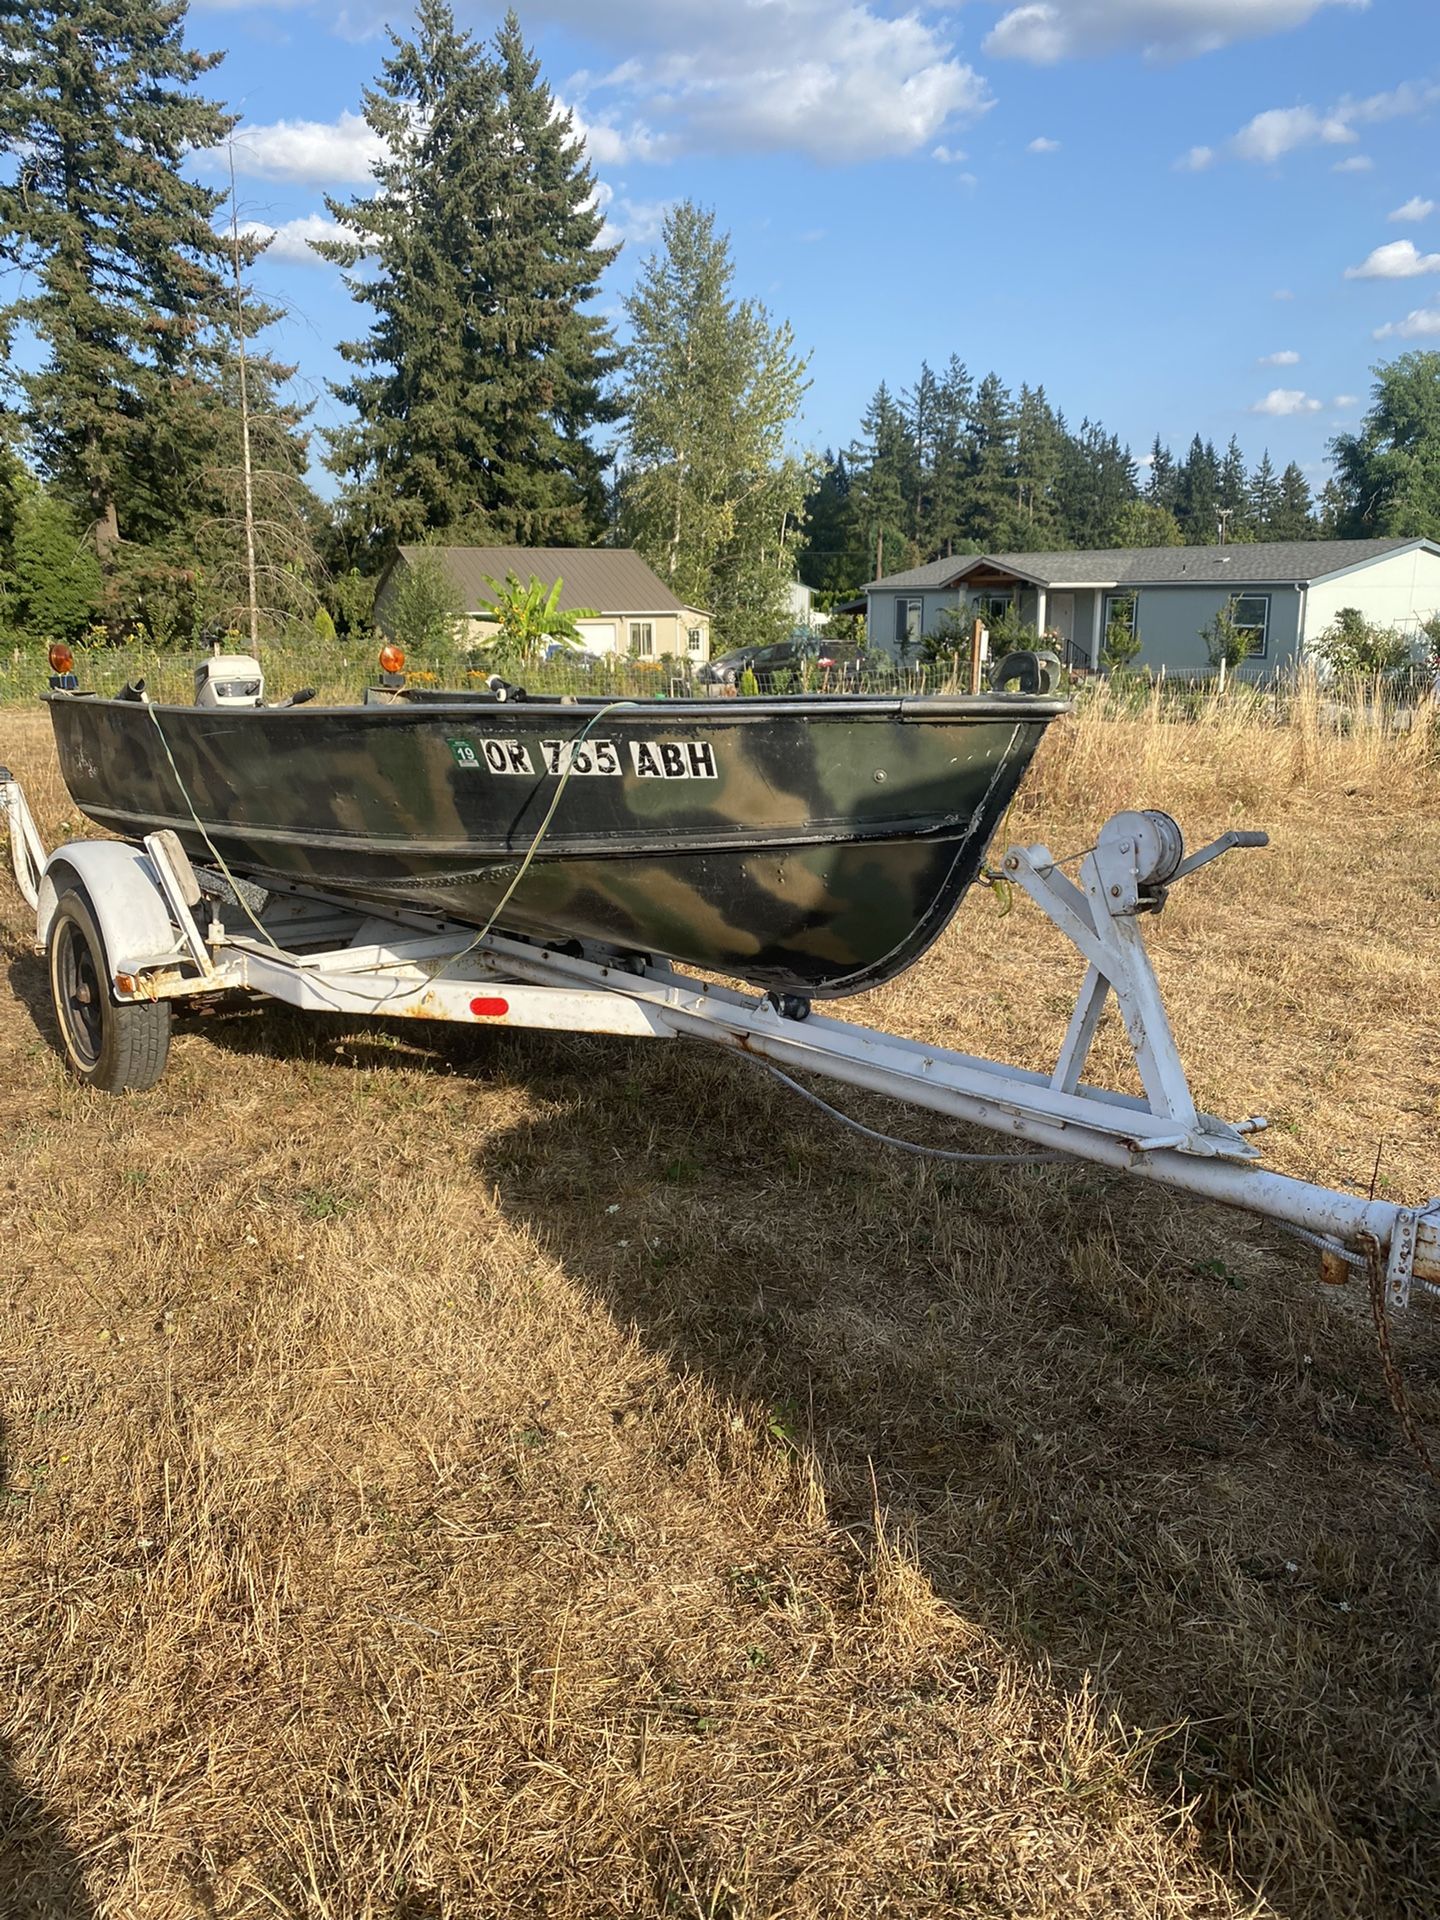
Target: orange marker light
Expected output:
[392,660]
[61,658]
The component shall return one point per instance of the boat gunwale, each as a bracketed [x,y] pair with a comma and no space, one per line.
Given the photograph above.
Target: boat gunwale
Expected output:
[909,708]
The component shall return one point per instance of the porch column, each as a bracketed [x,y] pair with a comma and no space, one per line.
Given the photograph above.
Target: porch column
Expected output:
[1042,607]
[1096,637]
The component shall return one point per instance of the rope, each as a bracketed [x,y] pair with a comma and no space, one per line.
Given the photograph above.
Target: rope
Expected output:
[219,857]
[612,706]
[908,1146]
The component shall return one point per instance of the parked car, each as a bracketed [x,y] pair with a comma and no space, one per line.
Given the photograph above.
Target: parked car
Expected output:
[777,667]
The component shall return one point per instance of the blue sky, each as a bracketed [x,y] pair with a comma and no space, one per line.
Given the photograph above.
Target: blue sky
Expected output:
[1177,215]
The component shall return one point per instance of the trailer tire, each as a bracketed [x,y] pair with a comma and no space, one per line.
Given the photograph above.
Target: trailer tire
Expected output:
[119,1046]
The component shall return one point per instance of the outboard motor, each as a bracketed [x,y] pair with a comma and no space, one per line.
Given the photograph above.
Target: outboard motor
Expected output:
[229,680]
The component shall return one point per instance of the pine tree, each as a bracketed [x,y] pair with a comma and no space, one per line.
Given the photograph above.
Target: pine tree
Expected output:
[126,273]
[992,519]
[1294,515]
[709,494]
[1233,495]
[1039,456]
[951,460]
[1263,498]
[1162,485]
[553,359]
[478,252]
[1198,493]
[878,465]
[1098,486]
[833,559]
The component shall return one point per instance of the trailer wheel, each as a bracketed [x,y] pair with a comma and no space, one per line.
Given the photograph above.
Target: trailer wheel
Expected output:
[117,1046]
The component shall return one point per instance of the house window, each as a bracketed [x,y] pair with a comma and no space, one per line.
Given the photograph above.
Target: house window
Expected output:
[1121,609]
[696,639]
[642,638]
[993,605]
[908,616]
[1250,613]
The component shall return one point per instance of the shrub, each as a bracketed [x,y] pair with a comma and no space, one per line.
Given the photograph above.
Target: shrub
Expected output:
[324,626]
[56,576]
[1225,643]
[424,611]
[1353,645]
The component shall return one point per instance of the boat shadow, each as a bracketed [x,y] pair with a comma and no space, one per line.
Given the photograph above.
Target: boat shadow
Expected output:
[1119,1431]
[40,1877]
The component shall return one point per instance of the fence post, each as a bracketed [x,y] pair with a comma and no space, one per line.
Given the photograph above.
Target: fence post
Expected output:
[977,632]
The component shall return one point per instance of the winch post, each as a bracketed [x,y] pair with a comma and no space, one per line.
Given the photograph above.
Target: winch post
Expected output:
[1136,859]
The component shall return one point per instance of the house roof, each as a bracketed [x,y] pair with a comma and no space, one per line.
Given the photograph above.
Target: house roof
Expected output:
[609,579]
[1265,563]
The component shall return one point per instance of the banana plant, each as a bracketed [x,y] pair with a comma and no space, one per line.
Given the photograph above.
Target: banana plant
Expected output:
[528,618]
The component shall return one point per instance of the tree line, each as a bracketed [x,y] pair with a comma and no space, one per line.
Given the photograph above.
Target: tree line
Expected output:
[153,461]
[958,465]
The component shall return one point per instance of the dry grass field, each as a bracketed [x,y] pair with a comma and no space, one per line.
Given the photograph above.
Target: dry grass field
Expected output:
[455,1474]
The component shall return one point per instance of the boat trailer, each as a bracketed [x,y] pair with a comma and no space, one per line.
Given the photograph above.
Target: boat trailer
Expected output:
[131,929]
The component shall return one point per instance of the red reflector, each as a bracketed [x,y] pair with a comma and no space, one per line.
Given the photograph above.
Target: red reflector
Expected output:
[489,1009]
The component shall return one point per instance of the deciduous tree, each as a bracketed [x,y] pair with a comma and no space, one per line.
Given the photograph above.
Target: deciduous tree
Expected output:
[1389,472]
[710,492]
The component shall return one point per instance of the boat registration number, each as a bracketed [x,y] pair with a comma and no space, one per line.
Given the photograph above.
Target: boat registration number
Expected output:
[581,759]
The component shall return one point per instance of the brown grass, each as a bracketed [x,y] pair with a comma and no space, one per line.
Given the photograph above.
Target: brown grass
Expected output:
[451,1475]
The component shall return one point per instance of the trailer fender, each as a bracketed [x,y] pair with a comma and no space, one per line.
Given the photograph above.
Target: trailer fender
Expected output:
[125,898]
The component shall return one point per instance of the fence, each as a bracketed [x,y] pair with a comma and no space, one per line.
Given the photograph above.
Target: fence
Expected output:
[338,672]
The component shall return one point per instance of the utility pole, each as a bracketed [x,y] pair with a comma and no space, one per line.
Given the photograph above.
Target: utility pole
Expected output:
[1222,521]
[244,414]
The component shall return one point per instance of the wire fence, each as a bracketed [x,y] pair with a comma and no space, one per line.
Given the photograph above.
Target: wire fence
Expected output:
[338,672]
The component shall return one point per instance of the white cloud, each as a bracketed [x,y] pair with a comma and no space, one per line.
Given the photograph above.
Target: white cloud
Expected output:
[1282,293]
[1196,160]
[1396,260]
[839,80]
[291,240]
[1357,163]
[1279,130]
[612,146]
[634,223]
[313,152]
[1041,145]
[1283,400]
[1286,357]
[1270,135]
[1421,323]
[1346,400]
[1046,31]
[1414,209]
[948,156]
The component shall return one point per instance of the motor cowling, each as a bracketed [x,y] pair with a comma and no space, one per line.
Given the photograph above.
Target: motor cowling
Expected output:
[229,680]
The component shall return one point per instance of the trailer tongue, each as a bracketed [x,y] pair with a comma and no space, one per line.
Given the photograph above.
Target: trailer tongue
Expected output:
[130,929]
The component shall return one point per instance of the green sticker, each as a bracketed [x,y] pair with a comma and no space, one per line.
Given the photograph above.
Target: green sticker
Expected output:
[464,753]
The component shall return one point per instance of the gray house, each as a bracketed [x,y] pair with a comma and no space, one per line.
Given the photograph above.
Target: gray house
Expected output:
[1286,593]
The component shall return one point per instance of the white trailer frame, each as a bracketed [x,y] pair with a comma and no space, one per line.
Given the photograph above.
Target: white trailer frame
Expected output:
[321,953]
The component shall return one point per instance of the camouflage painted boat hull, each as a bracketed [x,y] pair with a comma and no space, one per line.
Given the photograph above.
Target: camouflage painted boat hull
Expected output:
[809,846]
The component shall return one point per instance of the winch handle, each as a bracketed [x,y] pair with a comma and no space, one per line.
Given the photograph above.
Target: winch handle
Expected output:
[1237,837]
